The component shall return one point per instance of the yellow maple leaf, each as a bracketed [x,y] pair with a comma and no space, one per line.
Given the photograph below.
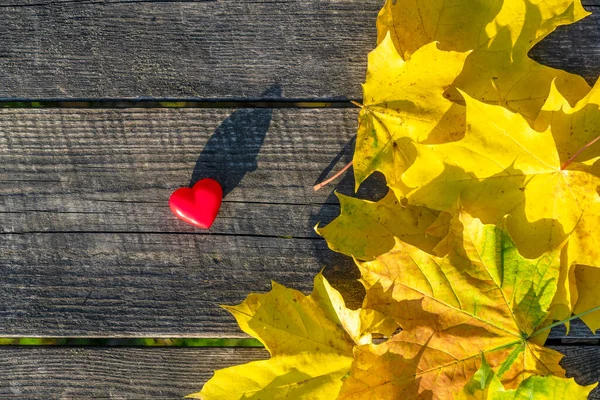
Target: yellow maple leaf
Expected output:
[482,298]
[310,339]
[485,385]
[573,128]
[366,229]
[404,102]
[576,132]
[503,166]
[500,33]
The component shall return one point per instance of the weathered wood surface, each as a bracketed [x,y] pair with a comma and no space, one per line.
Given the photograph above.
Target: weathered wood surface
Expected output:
[89,247]
[583,364]
[115,373]
[165,373]
[231,49]
[43,3]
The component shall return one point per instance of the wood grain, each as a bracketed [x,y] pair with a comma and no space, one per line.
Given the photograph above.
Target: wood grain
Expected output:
[44,3]
[90,248]
[115,373]
[232,49]
[574,48]
[583,364]
[208,49]
[165,373]
[113,170]
[578,333]
[132,285]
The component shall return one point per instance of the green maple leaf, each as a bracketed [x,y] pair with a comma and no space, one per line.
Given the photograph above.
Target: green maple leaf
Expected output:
[486,385]
[483,297]
[366,229]
[503,166]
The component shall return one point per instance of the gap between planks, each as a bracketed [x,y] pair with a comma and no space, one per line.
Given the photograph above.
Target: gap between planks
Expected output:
[121,103]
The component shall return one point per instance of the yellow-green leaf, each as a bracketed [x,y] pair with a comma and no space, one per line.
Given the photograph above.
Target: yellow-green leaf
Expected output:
[366,229]
[310,339]
[503,166]
[483,297]
[486,385]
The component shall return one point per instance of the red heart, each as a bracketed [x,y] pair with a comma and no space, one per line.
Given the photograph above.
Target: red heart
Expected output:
[199,205]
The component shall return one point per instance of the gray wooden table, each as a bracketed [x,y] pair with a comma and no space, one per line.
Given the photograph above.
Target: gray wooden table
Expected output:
[88,246]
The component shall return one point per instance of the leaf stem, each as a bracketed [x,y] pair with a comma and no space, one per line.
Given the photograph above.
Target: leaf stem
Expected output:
[565,165]
[591,310]
[328,181]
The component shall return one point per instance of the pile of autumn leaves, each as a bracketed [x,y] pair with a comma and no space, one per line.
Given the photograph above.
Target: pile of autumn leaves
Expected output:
[486,238]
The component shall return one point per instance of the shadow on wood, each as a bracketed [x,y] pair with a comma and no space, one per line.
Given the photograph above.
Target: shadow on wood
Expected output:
[231,151]
[573,48]
[341,270]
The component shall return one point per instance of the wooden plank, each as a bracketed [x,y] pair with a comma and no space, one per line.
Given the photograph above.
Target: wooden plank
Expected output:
[51,372]
[114,170]
[163,285]
[43,3]
[116,373]
[232,49]
[130,285]
[211,49]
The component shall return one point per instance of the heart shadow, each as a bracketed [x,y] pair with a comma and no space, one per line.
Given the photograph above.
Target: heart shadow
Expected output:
[233,148]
